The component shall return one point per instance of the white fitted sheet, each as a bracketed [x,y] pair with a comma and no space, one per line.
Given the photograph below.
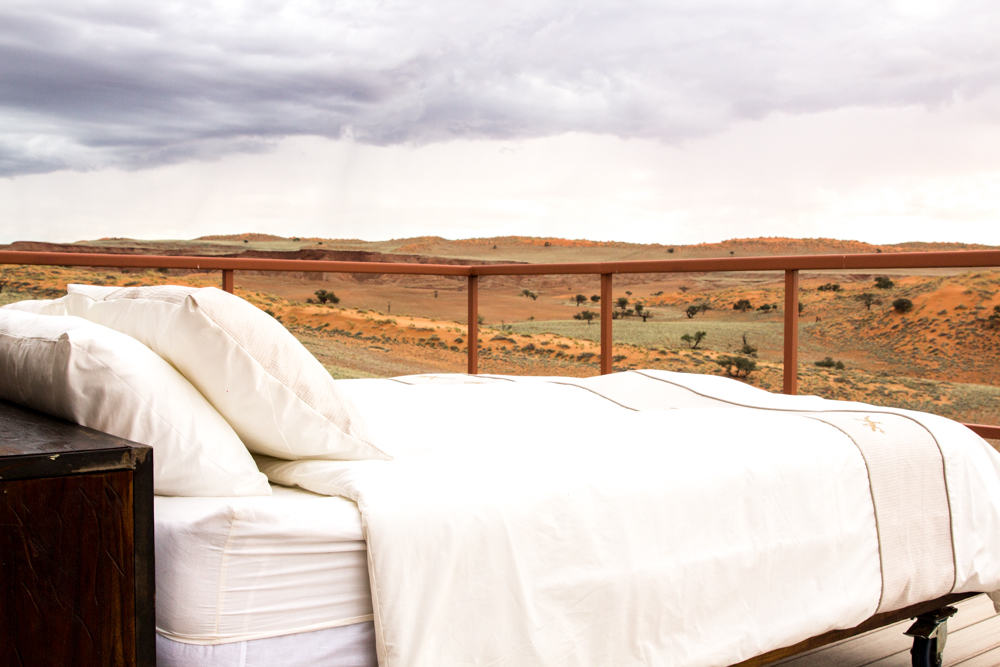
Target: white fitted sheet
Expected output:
[239,569]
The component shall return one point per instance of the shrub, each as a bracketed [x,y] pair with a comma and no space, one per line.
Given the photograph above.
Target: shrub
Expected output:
[902,305]
[993,321]
[830,363]
[883,282]
[738,367]
[324,296]
[829,287]
[742,305]
[586,315]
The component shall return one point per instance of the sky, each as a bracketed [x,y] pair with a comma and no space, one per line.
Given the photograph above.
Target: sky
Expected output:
[668,121]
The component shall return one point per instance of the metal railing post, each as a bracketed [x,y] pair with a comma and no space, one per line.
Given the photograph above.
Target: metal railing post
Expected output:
[790,366]
[472,332]
[227,280]
[606,335]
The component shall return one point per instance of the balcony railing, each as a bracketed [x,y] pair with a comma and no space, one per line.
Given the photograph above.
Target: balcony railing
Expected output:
[791,265]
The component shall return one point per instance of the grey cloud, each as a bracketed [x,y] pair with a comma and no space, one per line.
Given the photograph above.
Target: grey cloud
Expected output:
[96,85]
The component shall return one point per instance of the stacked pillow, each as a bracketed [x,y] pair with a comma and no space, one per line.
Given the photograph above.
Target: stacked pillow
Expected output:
[86,373]
[276,396]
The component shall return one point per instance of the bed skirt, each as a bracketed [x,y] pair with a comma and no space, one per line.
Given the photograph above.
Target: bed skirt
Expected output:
[344,646]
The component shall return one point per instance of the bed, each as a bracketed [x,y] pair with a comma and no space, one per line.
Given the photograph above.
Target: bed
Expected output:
[644,517]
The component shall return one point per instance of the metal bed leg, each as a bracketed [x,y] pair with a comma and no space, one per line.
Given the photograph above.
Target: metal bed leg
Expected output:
[929,632]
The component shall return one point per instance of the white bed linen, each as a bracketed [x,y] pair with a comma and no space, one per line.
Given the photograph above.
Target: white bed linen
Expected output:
[238,569]
[696,536]
[344,646]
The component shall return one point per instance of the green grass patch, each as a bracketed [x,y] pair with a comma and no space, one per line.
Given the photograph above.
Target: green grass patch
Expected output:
[720,334]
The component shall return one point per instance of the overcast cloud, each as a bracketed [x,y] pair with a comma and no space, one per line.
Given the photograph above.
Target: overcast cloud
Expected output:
[678,120]
[86,85]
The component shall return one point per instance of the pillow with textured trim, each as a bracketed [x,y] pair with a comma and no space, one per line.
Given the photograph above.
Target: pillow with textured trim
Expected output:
[80,371]
[277,396]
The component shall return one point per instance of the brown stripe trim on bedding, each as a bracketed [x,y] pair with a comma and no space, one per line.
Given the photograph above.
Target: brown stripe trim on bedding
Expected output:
[929,533]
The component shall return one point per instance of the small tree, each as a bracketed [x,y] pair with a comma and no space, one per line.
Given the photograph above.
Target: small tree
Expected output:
[696,308]
[747,348]
[580,298]
[586,315]
[829,287]
[595,298]
[902,305]
[742,305]
[528,293]
[622,303]
[868,299]
[695,340]
[883,282]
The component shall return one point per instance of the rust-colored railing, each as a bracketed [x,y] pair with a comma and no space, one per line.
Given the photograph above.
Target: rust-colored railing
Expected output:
[789,264]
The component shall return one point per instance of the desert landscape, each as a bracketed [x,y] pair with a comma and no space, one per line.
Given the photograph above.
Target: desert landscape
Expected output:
[922,339]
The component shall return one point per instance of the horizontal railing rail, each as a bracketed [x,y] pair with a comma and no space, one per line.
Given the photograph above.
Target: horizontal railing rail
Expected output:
[791,265]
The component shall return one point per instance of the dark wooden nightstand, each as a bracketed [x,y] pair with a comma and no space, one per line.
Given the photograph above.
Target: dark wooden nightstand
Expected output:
[76,545]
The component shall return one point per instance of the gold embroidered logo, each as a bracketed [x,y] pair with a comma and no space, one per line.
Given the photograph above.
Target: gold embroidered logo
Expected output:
[872,424]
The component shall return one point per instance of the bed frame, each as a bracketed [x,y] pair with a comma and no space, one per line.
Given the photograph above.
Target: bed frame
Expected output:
[929,631]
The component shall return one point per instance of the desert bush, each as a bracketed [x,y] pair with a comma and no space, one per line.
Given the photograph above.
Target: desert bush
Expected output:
[737,367]
[742,305]
[829,362]
[883,282]
[586,315]
[323,296]
[747,348]
[579,298]
[528,293]
[829,287]
[902,305]
[595,298]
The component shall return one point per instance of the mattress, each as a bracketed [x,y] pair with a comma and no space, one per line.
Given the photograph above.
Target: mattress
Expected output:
[240,569]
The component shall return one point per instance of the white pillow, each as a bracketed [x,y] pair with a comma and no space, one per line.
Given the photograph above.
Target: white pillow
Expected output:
[278,397]
[39,306]
[86,373]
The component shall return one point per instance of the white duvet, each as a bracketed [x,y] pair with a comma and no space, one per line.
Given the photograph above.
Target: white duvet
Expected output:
[648,517]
